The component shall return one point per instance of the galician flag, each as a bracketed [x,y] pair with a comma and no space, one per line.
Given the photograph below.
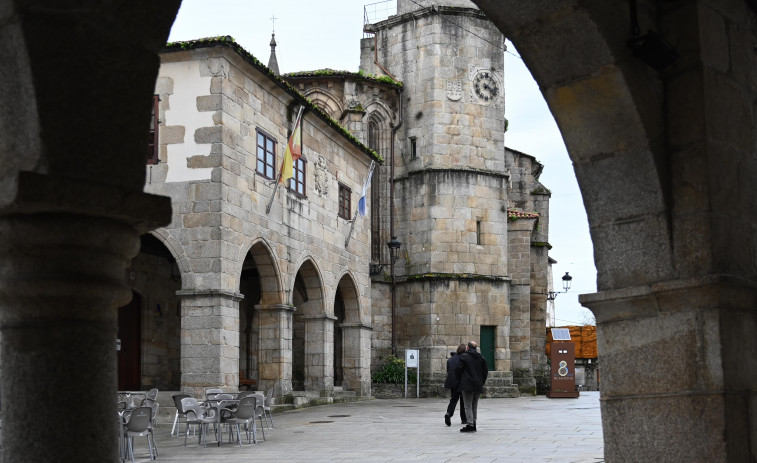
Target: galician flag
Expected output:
[362,207]
[293,151]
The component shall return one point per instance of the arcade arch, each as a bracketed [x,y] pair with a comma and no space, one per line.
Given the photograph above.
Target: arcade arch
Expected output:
[149,327]
[674,241]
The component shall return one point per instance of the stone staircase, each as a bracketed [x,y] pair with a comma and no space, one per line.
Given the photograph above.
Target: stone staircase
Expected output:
[500,384]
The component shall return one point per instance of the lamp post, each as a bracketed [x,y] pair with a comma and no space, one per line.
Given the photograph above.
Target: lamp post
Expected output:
[566,282]
[394,251]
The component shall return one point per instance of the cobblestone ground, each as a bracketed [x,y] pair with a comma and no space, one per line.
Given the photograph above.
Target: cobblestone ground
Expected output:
[526,429]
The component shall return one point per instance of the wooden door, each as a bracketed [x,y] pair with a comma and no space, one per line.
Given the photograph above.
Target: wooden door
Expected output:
[130,355]
[486,346]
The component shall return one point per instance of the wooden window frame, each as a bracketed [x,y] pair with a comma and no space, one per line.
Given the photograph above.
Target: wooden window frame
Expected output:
[298,183]
[268,169]
[152,141]
[345,201]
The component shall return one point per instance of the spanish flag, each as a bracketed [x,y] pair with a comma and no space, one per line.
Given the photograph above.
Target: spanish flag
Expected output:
[293,151]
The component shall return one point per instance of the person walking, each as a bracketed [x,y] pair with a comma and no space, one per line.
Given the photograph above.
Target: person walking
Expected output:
[453,385]
[471,371]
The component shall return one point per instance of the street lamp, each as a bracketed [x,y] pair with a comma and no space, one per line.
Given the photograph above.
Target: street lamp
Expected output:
[566,281]
[394,251]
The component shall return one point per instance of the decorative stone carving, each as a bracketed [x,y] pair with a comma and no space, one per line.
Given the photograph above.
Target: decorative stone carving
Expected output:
[454,89]
[321,177]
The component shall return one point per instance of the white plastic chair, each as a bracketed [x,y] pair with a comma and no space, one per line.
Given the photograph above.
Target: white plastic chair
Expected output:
[138,425]
[267,406]
[243,415]
[260,410]
[201,416]
[180,413]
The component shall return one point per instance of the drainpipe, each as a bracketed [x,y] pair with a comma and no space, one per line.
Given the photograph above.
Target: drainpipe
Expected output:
[391,219]
[376,62]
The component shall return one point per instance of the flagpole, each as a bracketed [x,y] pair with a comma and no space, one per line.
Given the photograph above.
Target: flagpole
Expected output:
[354,219]
[275,189]
[352,227]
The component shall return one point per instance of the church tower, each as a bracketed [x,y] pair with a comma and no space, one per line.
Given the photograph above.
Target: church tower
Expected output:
[450,209]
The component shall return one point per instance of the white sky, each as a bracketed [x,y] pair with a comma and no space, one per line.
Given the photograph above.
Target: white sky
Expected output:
[318,34]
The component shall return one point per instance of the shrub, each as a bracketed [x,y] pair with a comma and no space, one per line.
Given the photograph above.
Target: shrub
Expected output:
[543,375]
[393,372]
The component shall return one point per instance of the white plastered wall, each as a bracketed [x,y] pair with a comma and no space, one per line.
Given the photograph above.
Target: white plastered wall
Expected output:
[188,85]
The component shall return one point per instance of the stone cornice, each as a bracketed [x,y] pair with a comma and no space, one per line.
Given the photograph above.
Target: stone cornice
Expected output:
[422,13]
[360,325]
[457,276]
[211,293]
[440,170]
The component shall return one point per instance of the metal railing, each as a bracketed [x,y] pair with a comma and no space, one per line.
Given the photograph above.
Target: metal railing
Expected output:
[378,11]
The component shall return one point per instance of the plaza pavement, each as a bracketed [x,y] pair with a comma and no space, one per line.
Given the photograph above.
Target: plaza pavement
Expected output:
[520,430]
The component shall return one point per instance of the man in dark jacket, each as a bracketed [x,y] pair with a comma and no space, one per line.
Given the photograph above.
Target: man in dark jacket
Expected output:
[453,385]
[471,371]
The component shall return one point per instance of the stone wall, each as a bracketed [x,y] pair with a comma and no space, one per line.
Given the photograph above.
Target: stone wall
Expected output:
[214,100]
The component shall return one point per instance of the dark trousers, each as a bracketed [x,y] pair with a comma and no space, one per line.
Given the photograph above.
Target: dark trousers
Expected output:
[471,406]
[453,402]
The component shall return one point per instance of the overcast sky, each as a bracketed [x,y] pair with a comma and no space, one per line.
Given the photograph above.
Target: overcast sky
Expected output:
[319,34]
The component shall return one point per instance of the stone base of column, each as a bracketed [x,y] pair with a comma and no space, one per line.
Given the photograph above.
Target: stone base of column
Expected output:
[676,385]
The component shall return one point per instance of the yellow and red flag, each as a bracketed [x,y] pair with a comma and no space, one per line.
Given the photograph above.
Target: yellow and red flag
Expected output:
[293,151]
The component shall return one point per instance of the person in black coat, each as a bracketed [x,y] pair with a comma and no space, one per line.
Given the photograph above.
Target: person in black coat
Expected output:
[471,371]
[453,385]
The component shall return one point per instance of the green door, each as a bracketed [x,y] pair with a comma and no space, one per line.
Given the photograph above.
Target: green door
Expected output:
[486,346]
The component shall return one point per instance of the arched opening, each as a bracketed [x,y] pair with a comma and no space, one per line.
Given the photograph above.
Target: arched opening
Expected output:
[375,143]
[249,286]
[150,325]
[311,333]
[347,336]
[259,284]
[338,339]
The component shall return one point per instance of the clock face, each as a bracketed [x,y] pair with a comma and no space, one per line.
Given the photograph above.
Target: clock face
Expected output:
[485,86]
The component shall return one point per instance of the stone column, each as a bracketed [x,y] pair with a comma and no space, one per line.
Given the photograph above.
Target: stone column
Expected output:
[275,347]
[209,339]
[62,265]
[319,352]
[519,264]
[357,358]
[677,356]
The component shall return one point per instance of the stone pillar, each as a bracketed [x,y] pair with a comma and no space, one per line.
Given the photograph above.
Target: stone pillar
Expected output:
[519,263]
[275,348]
[357,358]
[209,339]
[677,356]
[62,266]
[319,352]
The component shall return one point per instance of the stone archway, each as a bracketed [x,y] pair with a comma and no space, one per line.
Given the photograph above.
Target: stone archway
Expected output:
[154,275]
[312,333]
[265,321]
[664,160]
[352,340]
